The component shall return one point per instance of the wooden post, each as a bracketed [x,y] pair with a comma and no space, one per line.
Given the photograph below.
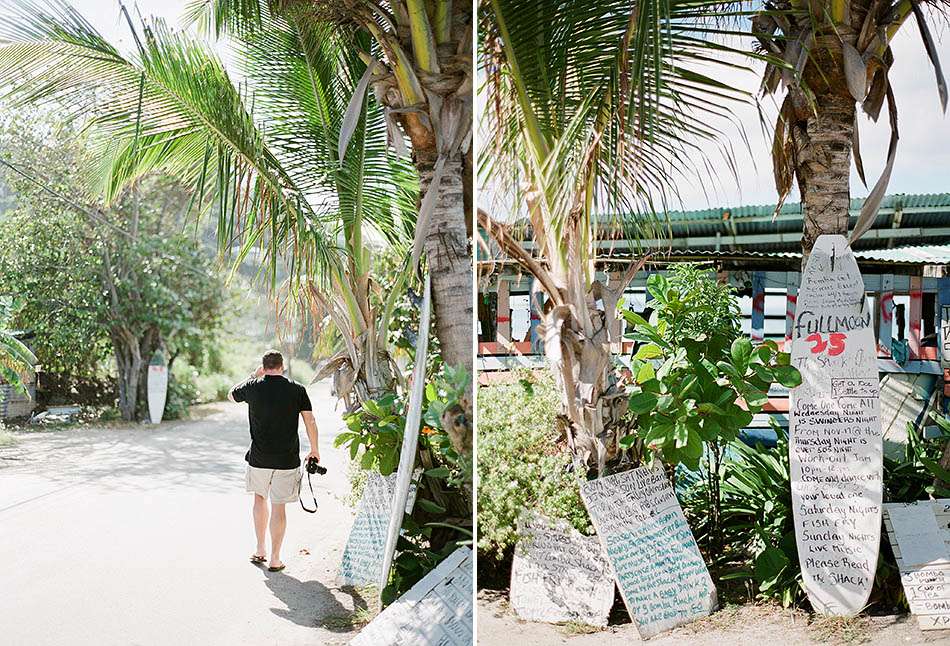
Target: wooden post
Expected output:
[503,315]
[943,337]
[915,316]
[885,307]
[535,320]
[791,298]
[758,306]
[943,315]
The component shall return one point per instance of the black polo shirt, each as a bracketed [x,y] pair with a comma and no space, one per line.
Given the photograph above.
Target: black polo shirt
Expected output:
[274,404]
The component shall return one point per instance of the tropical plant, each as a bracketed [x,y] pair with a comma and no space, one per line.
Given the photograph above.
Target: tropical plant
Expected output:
[757,525]
[922,470]
[828,57]
[15,358]
[591,115]
[417,59]
[375,432]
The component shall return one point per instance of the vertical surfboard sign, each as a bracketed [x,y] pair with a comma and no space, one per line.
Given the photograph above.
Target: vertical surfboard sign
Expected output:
[157,387]
[835,444]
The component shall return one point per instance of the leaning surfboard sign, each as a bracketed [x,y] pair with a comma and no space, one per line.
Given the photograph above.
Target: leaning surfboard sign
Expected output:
[157,387]
[835,445]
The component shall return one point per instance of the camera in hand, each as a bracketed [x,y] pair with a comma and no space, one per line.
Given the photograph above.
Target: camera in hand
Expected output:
[314,467]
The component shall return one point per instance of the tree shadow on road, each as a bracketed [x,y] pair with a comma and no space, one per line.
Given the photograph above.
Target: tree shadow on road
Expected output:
[311,603]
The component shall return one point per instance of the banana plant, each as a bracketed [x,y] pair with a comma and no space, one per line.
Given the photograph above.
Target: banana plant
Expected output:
[15,358]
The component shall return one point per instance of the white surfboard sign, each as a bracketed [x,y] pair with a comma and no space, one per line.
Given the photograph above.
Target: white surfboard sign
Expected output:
[835,444]
[157,387]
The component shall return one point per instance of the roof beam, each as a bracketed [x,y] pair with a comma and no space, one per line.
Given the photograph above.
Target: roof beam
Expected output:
[789,237]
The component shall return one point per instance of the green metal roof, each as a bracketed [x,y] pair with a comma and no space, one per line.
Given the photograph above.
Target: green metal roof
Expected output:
[935,201]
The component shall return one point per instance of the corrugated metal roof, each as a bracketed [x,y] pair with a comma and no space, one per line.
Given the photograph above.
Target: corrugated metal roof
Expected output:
[910,256]
[889,203]
[924,254]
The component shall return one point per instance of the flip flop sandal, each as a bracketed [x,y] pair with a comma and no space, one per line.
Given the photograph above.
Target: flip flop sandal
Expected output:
[276,569]
[258,560]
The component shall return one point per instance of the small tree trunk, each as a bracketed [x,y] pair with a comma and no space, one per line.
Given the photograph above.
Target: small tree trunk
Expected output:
[592,405]
[128,361]
[823,167]
[450,264]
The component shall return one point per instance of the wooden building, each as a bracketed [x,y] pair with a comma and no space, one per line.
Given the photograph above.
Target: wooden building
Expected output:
[904,259]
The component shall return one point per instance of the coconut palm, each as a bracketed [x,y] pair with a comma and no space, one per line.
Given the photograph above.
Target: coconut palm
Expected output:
[419,55]
[271,174]
[831,56]
[591,111]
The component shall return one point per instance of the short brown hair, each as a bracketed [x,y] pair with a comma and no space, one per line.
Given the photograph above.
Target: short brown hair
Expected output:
[272,360]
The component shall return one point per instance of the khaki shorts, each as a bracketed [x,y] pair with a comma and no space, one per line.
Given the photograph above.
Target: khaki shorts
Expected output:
[283,485]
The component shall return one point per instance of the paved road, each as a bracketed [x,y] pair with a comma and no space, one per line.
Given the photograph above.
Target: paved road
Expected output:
[142,537]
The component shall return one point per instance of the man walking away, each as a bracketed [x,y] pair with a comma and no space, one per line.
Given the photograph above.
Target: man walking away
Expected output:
[273,461]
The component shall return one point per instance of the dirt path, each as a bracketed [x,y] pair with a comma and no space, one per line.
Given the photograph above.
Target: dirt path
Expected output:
[750,625]
[142,536]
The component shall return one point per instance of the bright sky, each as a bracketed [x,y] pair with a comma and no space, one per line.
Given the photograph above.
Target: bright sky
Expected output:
[923,161]
[104,15]
[923,154]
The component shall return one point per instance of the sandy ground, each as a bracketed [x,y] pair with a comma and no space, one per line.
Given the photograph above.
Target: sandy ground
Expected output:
[141,537]
[750,625]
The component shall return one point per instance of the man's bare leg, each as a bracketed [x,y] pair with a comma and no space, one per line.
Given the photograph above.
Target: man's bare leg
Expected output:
[260,524]
[278,526]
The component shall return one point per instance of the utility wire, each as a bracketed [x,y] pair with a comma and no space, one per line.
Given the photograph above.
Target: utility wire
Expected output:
[94,215]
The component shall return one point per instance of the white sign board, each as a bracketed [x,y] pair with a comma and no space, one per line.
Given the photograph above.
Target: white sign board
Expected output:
[943,304]
[363,555]
[920,537]
[656,562]
[558,574]
[835,440]
[157,387]
[437,611]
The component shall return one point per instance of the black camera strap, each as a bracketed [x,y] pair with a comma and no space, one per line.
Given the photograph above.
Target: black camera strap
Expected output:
[312,495]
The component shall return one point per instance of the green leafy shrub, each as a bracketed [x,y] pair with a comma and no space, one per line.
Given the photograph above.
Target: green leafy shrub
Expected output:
[522,462]
[182,394]
[919,474]
[693,367]
[375,433]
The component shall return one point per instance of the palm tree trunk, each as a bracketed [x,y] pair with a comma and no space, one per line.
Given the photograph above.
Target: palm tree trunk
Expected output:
[823,167]
[450,262]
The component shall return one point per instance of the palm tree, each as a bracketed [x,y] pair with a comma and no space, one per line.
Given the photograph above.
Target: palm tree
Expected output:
[419,56]
[829,57]
[592,112]
[272,175]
